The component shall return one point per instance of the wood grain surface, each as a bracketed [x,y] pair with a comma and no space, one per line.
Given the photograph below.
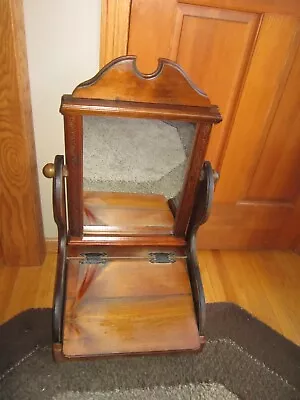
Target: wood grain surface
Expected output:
[126,213]
[21,230]
[265,283]
[120,80]
[248,59]
[128,305]
[115,17]
[73,148]
[119,89]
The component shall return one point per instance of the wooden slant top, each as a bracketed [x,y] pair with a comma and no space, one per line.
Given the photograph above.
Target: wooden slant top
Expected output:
[120,84]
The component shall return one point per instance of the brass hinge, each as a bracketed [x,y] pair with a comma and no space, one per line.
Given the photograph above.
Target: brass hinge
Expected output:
[162,258]
[94,258]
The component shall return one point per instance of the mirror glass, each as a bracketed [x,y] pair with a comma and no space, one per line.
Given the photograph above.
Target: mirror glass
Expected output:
[131,168]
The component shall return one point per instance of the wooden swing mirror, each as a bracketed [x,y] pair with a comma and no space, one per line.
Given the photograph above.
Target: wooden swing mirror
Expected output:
[137,189]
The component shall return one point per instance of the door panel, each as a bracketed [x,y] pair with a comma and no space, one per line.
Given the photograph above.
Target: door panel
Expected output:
[205,38]
[256,180]
[282,147]
[150,29]
[245,55]
[264,86]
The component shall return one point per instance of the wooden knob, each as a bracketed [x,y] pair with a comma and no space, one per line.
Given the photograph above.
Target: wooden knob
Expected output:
[49,170]
[216,175]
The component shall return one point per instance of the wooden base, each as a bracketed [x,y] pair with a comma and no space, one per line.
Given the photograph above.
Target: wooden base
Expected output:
[128,305]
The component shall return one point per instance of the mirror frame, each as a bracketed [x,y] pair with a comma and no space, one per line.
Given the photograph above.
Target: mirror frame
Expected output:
[120,90]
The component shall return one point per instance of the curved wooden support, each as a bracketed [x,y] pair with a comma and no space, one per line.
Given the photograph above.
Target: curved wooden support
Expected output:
[200,214]
[59,212]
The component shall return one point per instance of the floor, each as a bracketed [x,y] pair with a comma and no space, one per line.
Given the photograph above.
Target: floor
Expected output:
[267,284]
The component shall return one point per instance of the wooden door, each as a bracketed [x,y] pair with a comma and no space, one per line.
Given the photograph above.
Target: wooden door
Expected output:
[245,55]
[21,227]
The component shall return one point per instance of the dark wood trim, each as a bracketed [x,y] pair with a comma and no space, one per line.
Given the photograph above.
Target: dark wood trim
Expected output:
[154,240]
[60,217]
[58,355]
[74,145]
[203,199]
[71,106]
[200,214]
[188,192]
[113,42]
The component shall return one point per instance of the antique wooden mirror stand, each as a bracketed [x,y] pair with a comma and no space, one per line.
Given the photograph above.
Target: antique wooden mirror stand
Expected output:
[137,190]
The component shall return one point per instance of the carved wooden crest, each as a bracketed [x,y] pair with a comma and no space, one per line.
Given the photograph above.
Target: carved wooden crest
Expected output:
[120,80]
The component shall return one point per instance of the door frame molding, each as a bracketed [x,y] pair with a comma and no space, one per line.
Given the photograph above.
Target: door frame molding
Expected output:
[115,19]
[114,29]
[21,225]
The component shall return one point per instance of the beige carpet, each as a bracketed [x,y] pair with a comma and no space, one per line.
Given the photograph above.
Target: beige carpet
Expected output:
[203,391]
[243,358]
[135,155]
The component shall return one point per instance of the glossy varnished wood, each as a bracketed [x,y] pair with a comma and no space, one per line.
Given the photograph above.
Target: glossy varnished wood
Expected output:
[60,217]
[119,89]
[126,213]
[128,305]
[228,35]
[133,240]
[76,106]
[120,80]
[21,227]
[114,22]
[264,283]
[73,148]
[187,199]
[256,147]
[289,7]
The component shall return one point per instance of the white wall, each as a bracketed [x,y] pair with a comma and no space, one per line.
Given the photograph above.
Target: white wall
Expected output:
[63,50]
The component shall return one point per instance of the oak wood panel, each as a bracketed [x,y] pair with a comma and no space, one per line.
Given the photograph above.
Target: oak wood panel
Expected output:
[147,325]
[214,35]
[257,100]
[147,42]
[266,283]
[282,146]
[22,238]
[245,225]
[274,54]
[114,24]
[289,7]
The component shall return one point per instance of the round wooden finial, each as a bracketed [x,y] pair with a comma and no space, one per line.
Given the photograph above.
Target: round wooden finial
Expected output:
[49,170]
